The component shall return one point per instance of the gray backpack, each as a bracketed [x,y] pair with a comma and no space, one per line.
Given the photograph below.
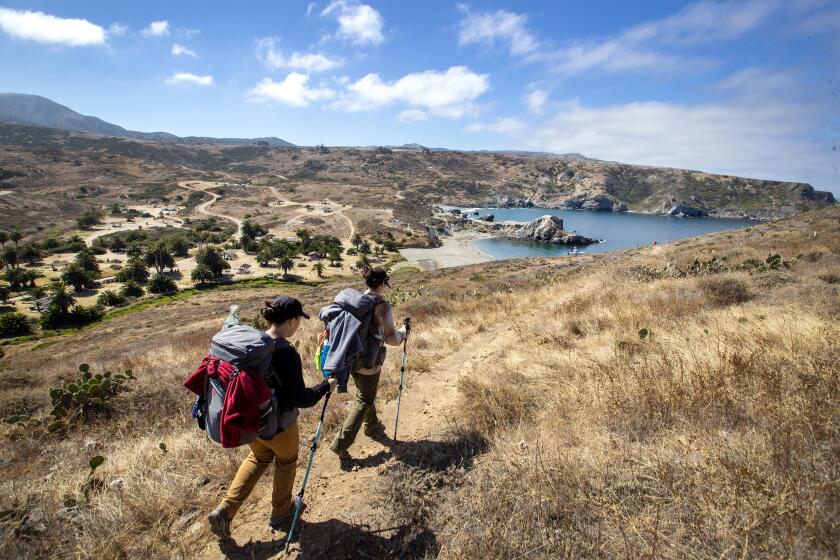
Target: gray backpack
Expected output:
[243,347]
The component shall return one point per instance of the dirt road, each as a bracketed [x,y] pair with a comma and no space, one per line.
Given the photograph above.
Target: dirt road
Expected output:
[204,207]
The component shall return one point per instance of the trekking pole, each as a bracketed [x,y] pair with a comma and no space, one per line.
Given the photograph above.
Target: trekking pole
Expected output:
[407,323]
[299,501]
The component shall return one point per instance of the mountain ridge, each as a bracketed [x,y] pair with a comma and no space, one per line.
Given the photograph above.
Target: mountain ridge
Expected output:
[36,110]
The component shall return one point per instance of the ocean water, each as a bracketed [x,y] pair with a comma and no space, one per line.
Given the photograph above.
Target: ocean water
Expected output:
[622,230]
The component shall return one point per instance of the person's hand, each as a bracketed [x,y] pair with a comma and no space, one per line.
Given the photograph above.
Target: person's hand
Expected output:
[333,382]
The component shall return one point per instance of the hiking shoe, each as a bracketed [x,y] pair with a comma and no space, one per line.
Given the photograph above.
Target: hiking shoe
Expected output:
[277,523]
[343,454]
[373,430]
[219,523]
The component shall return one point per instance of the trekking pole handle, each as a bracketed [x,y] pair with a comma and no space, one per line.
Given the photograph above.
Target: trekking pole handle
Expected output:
[407,325]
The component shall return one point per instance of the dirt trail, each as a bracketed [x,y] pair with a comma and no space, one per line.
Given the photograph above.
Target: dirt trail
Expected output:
[203,208]
[339,501]
[337,210]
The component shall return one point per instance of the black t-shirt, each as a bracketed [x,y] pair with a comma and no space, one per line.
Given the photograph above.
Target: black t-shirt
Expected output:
[293,392]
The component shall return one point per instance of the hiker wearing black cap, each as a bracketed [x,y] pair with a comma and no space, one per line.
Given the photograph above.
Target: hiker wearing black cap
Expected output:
[284,315]
[367,379]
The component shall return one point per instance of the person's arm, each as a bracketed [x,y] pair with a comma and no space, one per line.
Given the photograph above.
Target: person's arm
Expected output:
[289,369]
[390,332]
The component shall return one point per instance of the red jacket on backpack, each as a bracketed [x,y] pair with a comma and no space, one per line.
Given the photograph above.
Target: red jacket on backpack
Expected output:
[244,392]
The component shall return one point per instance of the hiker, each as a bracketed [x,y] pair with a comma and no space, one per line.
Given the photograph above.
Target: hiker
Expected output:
[284,315]
[367,378]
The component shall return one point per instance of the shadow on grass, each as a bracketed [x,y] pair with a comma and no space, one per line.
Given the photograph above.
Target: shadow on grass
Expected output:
[338,540]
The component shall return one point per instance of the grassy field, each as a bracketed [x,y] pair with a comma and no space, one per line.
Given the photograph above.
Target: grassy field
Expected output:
[678,401]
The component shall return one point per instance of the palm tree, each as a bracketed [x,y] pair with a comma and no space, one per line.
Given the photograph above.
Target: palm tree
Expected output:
[202,274]
[319,269]
[363,263]
[62,299]
[16,236]
[356,241]
[286,264]
[4,238]
[76,276]
[87,260]
[30,276]
[364,248]
[159,257]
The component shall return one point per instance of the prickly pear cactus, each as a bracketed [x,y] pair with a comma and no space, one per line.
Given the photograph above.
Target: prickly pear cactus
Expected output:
[88,394]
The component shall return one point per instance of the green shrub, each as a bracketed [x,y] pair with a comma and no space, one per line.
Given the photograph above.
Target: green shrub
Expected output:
[162,284]
[110,298]
[79,315]
[131,289]
[14,324]
[725,291]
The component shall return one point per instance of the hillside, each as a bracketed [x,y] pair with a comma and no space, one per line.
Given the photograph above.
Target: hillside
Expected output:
[672,401]
[34,110]
[392,191]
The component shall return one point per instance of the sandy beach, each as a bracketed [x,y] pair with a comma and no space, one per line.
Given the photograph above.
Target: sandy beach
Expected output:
[457,250]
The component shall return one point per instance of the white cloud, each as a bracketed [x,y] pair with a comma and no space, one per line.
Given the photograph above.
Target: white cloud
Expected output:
[117,29]
[447,94]
[412,115]
[657,46]
[44,28]
[536,100]
[358,23]
[507,125]
[156,29]
[178,50]
[488,27]
[768,139]
[274,59]
[187,79]
[293,90]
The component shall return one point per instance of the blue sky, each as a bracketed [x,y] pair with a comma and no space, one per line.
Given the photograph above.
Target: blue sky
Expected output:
[748,87]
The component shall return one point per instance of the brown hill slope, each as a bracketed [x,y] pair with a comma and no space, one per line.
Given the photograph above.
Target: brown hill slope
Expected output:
[672,401]
[46,168]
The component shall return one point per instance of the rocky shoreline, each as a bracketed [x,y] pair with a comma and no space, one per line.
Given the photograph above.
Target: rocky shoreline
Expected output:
[673,206]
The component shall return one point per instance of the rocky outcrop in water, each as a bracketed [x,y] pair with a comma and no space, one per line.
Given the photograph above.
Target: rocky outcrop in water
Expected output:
[547,229]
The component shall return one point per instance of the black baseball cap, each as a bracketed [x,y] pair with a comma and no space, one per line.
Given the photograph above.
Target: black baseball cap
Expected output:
[378,276]
[287,308]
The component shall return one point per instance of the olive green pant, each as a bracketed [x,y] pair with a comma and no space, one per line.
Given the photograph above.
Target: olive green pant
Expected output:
[363,411]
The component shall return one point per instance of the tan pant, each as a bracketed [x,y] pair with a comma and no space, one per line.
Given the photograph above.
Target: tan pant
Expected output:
[282,449]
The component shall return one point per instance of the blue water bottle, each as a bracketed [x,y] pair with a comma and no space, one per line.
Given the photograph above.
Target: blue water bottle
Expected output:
[325,350]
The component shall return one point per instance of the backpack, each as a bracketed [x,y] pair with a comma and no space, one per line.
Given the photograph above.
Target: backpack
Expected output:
[249,351]
[362,306]
[371,337]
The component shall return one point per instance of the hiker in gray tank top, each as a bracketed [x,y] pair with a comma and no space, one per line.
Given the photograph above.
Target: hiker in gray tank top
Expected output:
[367,379]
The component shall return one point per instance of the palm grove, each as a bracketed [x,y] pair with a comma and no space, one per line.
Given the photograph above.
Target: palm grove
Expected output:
[150,265]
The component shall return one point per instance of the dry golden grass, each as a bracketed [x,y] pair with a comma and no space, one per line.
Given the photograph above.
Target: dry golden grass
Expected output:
[714,435]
